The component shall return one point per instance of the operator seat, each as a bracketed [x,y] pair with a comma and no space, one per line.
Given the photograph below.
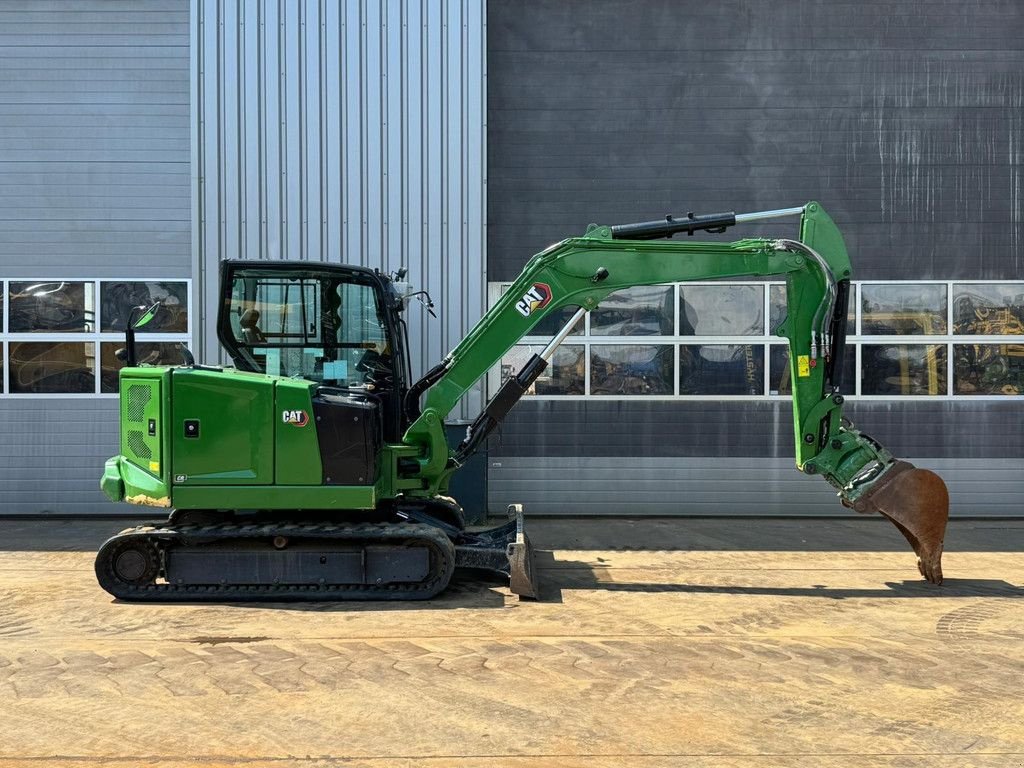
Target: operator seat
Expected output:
[251,334]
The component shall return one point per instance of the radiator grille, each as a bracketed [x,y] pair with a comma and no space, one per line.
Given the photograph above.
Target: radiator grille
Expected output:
[138,398]
[137,444]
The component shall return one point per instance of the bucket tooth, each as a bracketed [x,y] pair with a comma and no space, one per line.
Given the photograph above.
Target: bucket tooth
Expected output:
[917,502]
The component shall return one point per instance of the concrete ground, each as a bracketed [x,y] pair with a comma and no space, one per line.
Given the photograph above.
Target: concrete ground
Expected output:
[711,643]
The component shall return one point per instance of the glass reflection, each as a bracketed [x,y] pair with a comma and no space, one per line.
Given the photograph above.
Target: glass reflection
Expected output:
[631,369]
[988,369]
[56,306]
[645,310]
[721,369]
[721,310]
[903,309]
[564,374]
[118,299]
[996,310]
[903,369]
[51,367]
[777,308]
[159,353]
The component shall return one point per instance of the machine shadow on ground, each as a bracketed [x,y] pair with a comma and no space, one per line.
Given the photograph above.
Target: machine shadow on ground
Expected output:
[828,533]
[557,575]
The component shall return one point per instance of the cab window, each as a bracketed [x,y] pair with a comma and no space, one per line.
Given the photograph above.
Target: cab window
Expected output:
[320,328]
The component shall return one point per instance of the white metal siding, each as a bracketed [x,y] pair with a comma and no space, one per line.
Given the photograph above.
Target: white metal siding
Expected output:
[347,132]
[94,182]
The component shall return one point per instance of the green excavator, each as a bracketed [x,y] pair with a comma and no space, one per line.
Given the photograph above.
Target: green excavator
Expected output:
[316,469]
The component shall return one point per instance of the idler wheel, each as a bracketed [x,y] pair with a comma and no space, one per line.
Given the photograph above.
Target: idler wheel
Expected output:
[135,563]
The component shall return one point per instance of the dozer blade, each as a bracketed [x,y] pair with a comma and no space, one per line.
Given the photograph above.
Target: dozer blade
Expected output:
[505,550]
[917,502]
[520,558]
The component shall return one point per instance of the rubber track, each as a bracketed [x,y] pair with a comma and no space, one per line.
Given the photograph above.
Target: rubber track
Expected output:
[165,537]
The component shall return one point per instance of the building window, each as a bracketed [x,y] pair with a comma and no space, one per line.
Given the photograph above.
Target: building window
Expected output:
[56,306]
[61,337]
[721,310]
[642,311]
[51,367]
[909,339]
[721,369]
[988,369]
[631,369]
[118,298]
[988,310]
[903,309]
[903,369]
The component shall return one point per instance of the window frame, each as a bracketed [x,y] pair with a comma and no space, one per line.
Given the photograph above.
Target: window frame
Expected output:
[95,337]
[855,339]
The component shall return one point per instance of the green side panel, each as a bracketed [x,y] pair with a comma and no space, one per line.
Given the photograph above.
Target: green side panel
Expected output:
[338,497]
[297,450]
[141,421]
[235,416]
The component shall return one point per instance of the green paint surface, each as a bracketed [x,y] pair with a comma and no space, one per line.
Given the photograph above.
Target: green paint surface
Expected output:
[296,448]
[339,497]
[235,445]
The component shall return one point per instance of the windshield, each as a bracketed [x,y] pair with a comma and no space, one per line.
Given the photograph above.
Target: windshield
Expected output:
[319,327]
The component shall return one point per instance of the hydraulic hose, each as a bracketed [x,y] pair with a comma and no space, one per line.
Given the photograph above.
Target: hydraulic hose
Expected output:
[828,302]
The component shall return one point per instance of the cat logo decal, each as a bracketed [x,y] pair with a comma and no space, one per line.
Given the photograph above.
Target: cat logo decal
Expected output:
[295,418]
[538,297]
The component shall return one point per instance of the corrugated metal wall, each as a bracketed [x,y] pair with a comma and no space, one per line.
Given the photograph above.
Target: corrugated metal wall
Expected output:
[348,132]
[94,182]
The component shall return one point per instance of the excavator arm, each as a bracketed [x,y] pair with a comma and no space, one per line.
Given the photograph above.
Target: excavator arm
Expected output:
[580,272]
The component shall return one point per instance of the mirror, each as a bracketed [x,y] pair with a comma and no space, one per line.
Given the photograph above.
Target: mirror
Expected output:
[147,315]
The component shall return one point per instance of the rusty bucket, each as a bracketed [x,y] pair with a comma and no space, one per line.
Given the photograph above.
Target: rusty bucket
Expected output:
[917,502]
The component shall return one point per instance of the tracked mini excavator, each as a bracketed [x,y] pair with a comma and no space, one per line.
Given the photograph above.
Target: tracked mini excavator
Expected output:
[315,469]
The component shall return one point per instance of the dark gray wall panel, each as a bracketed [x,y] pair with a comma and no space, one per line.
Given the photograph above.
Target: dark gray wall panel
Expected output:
[637,486]
[94,139]
[904,119]
[732,429]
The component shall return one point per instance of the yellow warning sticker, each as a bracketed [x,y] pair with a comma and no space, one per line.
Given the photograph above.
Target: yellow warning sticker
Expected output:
[154,466]
[803,366]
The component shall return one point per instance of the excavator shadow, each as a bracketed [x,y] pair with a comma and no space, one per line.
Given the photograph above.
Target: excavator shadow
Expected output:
[557,575]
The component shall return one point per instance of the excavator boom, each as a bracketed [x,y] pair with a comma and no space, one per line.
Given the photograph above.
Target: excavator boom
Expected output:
[580,272]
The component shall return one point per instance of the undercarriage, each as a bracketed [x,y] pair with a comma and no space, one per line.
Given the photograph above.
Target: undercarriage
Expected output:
[194,557]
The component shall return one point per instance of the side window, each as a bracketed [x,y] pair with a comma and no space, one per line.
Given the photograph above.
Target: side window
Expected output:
[320,328]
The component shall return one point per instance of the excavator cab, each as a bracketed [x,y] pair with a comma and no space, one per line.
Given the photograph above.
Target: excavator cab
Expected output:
[338,326]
